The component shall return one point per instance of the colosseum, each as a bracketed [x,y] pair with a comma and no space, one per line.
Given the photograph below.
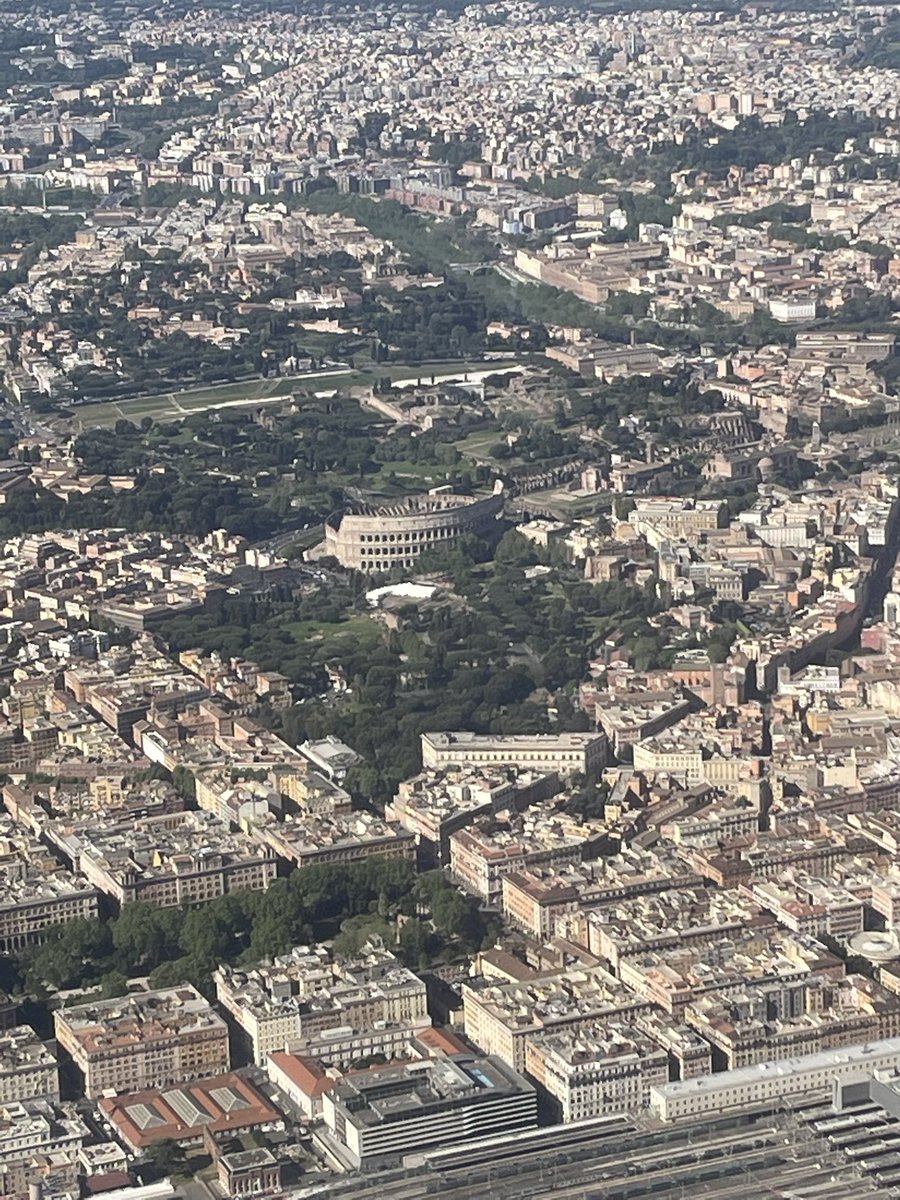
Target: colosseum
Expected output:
[374,537]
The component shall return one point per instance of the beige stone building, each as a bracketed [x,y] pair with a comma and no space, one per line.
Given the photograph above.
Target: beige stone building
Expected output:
[335,1010]
[179,858]
[503,1018]
[143,1040]
[28,1068]
[36,893]
[563,753]
[597,1070]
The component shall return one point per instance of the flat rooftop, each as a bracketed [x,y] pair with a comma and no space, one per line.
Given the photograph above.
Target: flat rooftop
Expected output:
[784,1067]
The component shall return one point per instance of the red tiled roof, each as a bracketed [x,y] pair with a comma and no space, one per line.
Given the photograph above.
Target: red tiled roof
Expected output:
[440,1038]
[307,1074]
[221,1104]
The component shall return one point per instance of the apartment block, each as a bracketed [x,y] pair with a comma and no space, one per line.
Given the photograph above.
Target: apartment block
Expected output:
[532,900]
[334,839]
[436,804]
[503,1018]
[36,893]
[784,1019]
[40,1139]
[312,1004]
[540,837]
[597,1069]
[143,1040]
[671,978]
[175,859]
[28,1067]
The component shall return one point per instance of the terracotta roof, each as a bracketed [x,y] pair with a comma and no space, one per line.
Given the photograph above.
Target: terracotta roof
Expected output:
[442,1039]
[307,1074]
[111,1181]
[222,1103]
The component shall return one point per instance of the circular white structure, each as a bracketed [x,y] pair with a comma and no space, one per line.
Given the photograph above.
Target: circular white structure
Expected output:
[876,947]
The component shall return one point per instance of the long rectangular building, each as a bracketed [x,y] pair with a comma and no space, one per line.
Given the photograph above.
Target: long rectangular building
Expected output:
[565,753]
[811,1076]
[178,858]
[397,1110]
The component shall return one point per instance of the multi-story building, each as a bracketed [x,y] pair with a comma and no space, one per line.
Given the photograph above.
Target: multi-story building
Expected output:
[436,804]
[659,517]
[303,1080]
[885,897]
[395,1111]
[330,756]
[801,1016]
[792,308]
[672,977]
[323,838]
[532,899]
[662,920]
[675,754]
[102,1158]
[723,819]
[565,753]
[171,860]
[809,905]
[630,717]
[503,1018]
[36,893]
[689,1054]
[811,1076]
[28,1067]
[634,871]
[597,1069]
[480,857]
[233,801]
[249,1172]
[38,1139]
[339,1011]
[143,1040]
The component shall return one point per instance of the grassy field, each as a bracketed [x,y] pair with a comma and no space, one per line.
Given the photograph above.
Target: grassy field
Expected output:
[358,626]
[172,406]
[422,474]
[477,445]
